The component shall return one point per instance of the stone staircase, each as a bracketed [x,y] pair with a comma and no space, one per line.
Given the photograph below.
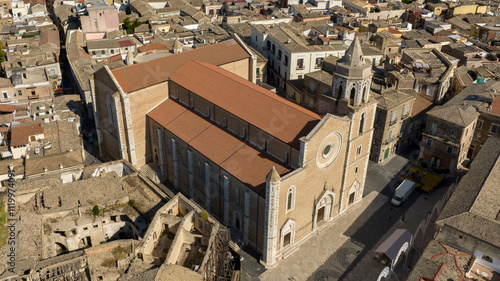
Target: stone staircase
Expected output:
[152,172]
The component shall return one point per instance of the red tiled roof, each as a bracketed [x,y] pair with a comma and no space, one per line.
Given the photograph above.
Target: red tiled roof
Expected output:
[261,108]
[115,58]
[495,105]
[157,71]
[394,31]
[421,106]
[125,43]
[154,46]
[34,2]
[7,108]
[242,161]
[49,36]
[21,134]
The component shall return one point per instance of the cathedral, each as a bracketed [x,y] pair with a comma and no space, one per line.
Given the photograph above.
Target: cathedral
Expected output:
[273,171]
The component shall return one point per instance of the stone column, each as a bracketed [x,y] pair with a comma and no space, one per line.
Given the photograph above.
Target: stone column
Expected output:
[271,217]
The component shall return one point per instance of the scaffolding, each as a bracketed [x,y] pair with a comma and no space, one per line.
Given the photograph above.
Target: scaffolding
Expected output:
[220,264]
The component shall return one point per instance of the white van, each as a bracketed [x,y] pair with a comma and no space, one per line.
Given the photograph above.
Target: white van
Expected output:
[403,192]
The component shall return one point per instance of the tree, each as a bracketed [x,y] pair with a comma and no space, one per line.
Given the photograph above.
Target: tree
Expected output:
[130,27]
[96,211]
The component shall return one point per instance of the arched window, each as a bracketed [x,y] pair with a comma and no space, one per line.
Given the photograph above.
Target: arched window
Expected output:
[353,95]
[290,199]
[111,110]
[339,94]
[362,123]
[365,94]
[237,220]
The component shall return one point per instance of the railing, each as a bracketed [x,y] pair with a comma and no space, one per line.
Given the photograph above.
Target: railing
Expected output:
[393,122]
[405,116]
[300,67]
[445,139]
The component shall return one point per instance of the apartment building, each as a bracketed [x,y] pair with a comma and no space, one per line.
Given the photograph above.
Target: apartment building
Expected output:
[394,108]
[289,54]
[448,136]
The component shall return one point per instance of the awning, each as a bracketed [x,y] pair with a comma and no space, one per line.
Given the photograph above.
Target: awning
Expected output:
[393,243]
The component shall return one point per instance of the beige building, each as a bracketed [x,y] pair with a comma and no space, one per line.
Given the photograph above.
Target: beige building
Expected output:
[393,111]
[428,71]
[448,135]
[272,170]
[122,97]
[485,98]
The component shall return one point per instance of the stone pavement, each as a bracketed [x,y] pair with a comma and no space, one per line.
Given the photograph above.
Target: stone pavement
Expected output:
[319,248]
[344,250]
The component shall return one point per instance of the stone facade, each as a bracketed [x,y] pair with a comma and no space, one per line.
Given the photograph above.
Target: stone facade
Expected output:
[326,172]
[445,143]
[391,120]
[120,114]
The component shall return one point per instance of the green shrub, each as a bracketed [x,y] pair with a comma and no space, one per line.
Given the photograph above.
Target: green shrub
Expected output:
[96,211]
[204,215]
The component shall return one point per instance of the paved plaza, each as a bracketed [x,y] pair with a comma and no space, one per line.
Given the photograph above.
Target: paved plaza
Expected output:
[345,249]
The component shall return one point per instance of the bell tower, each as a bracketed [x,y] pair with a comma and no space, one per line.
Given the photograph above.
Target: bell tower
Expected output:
[352,79]
[351,88]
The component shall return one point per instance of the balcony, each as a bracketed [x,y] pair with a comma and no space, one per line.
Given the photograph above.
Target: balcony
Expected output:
[444,139]
[300,67]
[392,122]
[405,116]
[439,150]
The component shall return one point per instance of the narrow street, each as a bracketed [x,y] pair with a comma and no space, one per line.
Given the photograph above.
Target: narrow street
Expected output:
[69,85]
